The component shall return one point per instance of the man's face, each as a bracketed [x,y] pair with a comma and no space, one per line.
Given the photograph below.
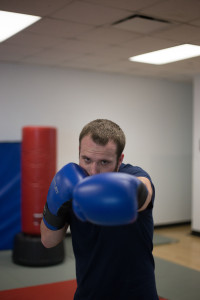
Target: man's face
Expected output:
[96,158]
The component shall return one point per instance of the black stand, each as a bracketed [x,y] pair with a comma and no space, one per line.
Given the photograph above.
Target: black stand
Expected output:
[29,251]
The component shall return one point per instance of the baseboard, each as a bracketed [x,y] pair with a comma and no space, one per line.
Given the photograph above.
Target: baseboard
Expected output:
[196,233]
[167,225]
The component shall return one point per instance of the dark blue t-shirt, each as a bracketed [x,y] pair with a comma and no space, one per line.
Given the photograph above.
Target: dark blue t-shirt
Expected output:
[115,262]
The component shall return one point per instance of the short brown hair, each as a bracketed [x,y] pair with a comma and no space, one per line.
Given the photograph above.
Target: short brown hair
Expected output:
[102,131]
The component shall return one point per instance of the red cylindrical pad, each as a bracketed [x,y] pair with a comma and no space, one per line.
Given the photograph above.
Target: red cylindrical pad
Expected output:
[38,170]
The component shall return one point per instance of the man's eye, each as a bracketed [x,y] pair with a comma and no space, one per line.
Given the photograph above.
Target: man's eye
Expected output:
[87,160]
[104,162]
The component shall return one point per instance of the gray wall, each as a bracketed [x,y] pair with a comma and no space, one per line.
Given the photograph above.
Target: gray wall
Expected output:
[156,116]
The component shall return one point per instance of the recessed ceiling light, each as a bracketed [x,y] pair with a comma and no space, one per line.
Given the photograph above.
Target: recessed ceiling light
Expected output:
[168,55]
[11,23]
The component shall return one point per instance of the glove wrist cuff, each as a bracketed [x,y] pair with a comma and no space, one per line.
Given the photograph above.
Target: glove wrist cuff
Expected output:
[142,194]
[56,221]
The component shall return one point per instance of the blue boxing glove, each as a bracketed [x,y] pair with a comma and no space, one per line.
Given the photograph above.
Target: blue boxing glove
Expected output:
[109,198]
[59,198]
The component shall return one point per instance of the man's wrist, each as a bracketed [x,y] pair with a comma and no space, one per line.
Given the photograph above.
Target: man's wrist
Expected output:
[55,222]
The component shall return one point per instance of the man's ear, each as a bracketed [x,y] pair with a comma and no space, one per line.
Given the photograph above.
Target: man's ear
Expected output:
[120,160]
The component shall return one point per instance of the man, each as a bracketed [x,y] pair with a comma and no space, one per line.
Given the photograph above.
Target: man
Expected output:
[113,259]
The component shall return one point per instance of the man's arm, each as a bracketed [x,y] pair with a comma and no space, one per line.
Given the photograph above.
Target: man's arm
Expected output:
[147,183]
[51,238]
[57,210]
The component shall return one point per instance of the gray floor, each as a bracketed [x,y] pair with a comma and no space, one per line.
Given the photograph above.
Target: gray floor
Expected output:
[176,282]
[16,276]
[173,281]
[161,240]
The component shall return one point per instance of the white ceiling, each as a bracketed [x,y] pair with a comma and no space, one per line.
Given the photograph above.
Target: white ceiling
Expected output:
[82,34]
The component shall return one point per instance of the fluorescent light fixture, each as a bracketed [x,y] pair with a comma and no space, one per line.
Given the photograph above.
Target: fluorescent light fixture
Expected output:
[168,55]
[11,23]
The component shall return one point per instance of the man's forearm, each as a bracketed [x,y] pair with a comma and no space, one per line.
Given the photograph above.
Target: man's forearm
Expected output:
[51,238]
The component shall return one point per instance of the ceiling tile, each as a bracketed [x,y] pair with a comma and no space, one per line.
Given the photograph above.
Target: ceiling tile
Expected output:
[59,28]
[109,35]
[53,54]
[32,39]
[195,22]
[181,33]
[87,13]
[174,10]
[38,8]
[118,52]
[94,60]
[133,5]
[148,44]
[16,53]
[82,47]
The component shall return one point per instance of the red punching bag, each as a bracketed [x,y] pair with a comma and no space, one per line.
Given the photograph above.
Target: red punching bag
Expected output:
[38,170]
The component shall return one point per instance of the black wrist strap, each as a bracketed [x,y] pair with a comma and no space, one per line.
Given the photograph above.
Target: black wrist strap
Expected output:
[142,194]
[56,221]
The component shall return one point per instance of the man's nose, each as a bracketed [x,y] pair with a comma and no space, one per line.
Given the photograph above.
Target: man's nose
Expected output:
[94,169]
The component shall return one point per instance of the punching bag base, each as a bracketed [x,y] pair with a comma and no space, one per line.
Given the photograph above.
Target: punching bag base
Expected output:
[29,251]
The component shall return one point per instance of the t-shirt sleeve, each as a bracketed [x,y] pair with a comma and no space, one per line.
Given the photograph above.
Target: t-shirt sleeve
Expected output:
[138,172]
